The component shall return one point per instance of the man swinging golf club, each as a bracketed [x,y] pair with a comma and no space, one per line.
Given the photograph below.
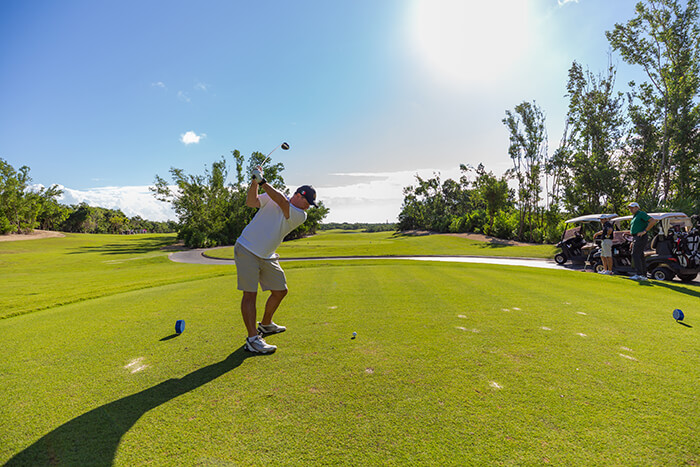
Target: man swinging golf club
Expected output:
[255,257]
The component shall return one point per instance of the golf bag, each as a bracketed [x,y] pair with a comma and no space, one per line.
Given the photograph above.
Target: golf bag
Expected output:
[687,248]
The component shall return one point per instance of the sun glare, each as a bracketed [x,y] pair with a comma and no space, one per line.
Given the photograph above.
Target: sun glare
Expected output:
[466,42]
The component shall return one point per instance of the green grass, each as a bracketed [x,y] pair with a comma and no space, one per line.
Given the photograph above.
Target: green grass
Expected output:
[354,243]
[417,386]
[40,274]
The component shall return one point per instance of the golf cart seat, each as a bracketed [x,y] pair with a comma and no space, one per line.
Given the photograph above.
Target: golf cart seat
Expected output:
[662,244]
[621,237]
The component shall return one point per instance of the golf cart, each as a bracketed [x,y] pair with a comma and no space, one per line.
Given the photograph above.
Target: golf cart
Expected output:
[676,249]
[574,245]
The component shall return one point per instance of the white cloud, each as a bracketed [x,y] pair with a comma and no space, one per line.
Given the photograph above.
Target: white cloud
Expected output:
[132,200]
[201,86]
[158,84]
[564,2]
[191,137]
[376,197]
[183,96]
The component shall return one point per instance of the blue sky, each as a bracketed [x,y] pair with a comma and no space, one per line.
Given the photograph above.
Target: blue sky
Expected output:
[101,96]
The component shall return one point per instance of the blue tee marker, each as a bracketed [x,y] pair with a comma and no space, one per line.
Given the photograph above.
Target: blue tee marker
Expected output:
[678,315]
[180,326]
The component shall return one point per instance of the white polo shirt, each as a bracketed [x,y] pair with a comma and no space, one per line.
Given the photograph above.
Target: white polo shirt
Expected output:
[268,228]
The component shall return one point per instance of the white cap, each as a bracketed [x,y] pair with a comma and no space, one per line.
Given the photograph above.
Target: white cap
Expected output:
[633,205]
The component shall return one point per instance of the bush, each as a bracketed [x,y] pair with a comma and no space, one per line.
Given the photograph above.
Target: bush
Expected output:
[5,226]
[504,225]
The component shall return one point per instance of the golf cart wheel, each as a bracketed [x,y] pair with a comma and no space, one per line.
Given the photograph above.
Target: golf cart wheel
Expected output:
[598,267]
[559,258]
[687,277]
[662,274]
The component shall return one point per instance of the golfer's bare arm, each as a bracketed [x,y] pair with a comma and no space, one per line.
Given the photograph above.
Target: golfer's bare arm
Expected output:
[651,225]
[251,199]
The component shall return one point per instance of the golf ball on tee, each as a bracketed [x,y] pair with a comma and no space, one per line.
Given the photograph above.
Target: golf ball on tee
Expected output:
[354,334]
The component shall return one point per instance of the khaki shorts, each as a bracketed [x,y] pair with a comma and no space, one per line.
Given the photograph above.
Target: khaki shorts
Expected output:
[253,270]
[606,248]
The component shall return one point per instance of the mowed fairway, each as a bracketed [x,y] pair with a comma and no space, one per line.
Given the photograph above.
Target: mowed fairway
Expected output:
[453,364]
[356,243]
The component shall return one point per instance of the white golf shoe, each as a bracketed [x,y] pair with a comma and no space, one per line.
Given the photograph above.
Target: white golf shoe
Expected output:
[272,328]
[258,345]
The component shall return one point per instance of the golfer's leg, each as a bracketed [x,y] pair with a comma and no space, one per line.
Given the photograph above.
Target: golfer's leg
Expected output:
[642,258]
[637,255]
[272,278]
[249,313]
[273,302]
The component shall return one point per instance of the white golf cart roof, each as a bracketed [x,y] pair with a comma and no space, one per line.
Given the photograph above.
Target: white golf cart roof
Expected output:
[666,219]
[591,218]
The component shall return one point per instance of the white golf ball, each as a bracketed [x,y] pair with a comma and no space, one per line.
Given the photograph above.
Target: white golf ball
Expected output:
[354,334]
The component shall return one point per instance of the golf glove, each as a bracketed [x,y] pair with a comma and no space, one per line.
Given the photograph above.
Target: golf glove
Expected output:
[258,176]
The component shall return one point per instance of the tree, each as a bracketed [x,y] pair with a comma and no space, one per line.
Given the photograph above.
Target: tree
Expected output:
[493,192]
[432,204]
[528,150]
[595,122]
[51,214]
[664,39]
[20,206]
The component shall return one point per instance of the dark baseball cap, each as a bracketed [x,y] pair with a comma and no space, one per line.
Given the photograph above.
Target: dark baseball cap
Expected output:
[308,192]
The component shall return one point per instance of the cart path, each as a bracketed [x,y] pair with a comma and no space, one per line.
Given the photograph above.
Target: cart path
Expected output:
[197,256]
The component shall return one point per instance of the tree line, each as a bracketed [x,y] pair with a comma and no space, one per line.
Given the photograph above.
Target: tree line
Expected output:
[642,144]
[23,210]
[212,212]
[363,226]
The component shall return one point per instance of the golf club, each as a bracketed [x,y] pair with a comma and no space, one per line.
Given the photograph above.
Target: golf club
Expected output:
[284,146]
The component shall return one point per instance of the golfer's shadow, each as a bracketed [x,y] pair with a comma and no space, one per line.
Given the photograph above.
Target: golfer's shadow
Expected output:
[93,438]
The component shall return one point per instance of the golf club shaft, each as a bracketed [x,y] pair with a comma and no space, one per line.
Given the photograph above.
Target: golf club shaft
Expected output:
[268,156]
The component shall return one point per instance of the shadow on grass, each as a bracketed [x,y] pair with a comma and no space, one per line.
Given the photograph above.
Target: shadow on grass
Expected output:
[167,338]
[671,286]
[494,245]
[93,438]
[134,246]
[412,233]
[683,324]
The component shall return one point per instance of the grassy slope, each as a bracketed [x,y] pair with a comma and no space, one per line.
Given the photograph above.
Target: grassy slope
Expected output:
[415,386]
[354,243]
[40,274]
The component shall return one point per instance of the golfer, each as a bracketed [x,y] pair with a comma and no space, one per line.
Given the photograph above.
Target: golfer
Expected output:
[642,223]
[256,260]
[606,244]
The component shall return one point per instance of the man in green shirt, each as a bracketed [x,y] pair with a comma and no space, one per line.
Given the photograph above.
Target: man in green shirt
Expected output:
[641,224]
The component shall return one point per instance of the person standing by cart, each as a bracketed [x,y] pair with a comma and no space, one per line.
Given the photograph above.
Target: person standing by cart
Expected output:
[642,223]
[606,244]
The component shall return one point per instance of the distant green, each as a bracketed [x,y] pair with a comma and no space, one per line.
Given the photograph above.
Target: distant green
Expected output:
[453,364]
[354,243]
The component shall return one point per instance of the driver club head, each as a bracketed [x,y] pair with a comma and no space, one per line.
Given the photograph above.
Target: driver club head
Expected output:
[284,146]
